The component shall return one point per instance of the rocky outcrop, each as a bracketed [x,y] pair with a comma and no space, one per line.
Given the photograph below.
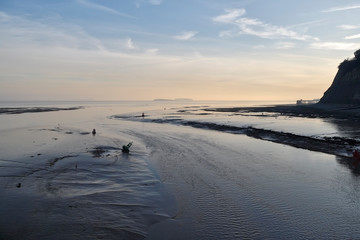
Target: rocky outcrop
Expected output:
[345,88]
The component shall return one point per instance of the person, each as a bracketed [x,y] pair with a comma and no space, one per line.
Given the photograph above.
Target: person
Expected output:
[93,132]
[126,148]
[356,154]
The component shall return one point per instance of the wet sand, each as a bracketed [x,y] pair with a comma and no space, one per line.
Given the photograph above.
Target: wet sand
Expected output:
[78,187]
[235,187]
[337,145]
[20,110]
[63,182]
[178,182]
[306,110]
[230,184]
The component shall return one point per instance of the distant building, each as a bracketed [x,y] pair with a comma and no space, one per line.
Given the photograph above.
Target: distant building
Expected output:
[301,101]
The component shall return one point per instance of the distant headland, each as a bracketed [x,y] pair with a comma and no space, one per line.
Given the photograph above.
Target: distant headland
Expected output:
[341,100]
[176,99]
[345,88]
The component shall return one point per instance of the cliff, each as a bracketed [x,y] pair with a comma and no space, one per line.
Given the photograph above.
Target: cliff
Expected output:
[345,88]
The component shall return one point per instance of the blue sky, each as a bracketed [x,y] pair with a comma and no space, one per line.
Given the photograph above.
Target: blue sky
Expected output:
[200,49]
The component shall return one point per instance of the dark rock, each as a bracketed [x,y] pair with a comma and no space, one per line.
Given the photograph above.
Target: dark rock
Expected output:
[345,88]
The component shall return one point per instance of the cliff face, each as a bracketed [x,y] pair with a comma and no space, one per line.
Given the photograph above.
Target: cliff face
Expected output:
[345,88]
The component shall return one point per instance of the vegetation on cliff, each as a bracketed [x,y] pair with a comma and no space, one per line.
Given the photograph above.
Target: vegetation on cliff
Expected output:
[349,64]
[345,88]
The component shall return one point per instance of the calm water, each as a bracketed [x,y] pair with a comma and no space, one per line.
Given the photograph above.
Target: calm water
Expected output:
[178,182]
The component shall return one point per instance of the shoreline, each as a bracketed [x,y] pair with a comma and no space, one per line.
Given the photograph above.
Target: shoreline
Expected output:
[341,146]
[177,182]
[20,110]
[338,146]
[317,110]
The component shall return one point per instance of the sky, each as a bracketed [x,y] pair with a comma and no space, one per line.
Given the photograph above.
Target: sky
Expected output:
[200,49]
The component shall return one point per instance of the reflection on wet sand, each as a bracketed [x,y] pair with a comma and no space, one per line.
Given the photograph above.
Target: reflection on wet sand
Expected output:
[352,164]
[191,174]
[79,186]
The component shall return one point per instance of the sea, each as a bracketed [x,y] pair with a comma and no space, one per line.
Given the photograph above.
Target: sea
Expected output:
[194,171]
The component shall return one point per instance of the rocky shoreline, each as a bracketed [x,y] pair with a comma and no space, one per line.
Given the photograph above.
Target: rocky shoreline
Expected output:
[318,110]
[19,110]
[338,146]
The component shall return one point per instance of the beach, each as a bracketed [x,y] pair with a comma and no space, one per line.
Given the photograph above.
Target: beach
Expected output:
[196,170]
[59,181]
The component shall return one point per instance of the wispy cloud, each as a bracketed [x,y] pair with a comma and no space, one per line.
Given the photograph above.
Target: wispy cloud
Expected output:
[341,8]
[259,47]
[130,44]
[24,32]
[152,51]
[348,27]
[227,33]
[99,7]
[230,16]
[186,35]
[155,2]
[352,37]
[140,3]
[335,45]
[255,27]
[285,45]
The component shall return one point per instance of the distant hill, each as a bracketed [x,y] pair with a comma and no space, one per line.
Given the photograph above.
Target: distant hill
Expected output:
[345,88]
[176,99]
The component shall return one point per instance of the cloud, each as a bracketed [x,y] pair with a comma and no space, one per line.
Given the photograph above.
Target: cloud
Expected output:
[140,3]
[255,27]
[186,35]
[155,2]
[230,16]
[226,33]
[102,8]
[341,8]
[264,30]
[18,31]
[130,44]
[352,37]
[152,51]
[259,46]
[335,45]
[348,27]
[285,45]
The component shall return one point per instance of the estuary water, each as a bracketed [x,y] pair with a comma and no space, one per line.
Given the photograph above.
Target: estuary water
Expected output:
[192,173]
